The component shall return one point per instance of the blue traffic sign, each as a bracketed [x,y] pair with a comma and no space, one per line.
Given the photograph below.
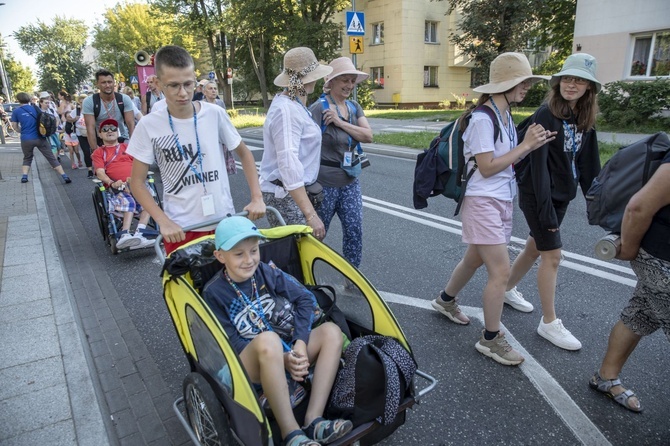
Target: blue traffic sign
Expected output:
[134,80]
[355,23]
[211,75]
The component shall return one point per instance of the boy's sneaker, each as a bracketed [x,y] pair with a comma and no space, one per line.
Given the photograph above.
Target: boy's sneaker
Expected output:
[127,240]
[558,335]
[90,175]
[499,350]
[515,299]
[67,179]
[144,242]
[451,310]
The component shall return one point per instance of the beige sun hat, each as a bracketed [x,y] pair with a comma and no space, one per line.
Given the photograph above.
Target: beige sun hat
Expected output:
[300,67]
[507,71]
[344,65]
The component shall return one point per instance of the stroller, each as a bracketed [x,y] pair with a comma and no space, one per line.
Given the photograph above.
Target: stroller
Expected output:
[221,404]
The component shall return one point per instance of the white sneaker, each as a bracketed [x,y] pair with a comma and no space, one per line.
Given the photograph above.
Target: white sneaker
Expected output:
[127,241]
[558,335]
[144,242]
[515,299]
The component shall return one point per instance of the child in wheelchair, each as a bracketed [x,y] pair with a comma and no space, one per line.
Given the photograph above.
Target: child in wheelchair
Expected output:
[267,316]
[113,167]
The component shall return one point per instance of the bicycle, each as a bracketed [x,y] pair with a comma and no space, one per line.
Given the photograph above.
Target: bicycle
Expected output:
[7,128]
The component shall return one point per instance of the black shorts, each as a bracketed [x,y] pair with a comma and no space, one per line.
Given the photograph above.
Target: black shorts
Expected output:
[544,240]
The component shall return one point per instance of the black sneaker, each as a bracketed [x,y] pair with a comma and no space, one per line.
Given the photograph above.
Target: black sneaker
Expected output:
[67,179]
[90,175]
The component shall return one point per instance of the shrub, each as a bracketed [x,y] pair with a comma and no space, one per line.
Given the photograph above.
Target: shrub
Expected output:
[626,103]
[535,96]
[460,100]
[365,95]
[233,113]
[445,105]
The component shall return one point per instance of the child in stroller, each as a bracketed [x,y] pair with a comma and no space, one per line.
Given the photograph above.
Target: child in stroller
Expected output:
[268,316]
[113,167]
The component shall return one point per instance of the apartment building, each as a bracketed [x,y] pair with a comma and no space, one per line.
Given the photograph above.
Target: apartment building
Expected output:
[406,50]
[629,38]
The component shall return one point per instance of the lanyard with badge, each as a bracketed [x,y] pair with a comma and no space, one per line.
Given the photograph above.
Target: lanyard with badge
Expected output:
[104,156]
[207,200]
[571,132]
[510,131]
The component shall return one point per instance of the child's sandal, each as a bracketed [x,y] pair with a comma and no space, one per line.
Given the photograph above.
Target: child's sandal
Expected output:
[298,438]
[326,431]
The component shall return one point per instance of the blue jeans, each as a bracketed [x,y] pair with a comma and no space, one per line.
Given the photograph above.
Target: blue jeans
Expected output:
[347,202]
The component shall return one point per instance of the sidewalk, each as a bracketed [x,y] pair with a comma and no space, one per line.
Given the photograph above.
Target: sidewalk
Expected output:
[47,395]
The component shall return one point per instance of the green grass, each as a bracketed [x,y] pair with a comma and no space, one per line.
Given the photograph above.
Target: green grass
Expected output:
[243,121]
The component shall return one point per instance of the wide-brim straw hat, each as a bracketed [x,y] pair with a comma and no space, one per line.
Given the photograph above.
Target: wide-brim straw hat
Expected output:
[578,65]
[301,62]
[344,65]
[507,71]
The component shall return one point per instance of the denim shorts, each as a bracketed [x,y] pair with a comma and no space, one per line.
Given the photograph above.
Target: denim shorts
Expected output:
[544,240]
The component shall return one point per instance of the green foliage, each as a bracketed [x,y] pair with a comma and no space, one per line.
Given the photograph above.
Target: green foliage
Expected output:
[365,94]
[58,50]
[535,96]
[626,103]
[491,27]
[130,27]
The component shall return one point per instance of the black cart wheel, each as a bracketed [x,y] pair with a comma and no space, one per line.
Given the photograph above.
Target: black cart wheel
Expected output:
[100,213]
[112,244]
[205,413]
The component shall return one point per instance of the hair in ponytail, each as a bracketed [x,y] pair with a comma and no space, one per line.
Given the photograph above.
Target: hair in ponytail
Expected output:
[463,124]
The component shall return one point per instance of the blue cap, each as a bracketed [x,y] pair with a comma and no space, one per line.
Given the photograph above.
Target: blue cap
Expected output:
[232,230]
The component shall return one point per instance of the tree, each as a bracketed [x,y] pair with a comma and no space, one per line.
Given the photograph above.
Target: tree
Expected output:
[130,27]
[491,27]
[58,50]
[20,77]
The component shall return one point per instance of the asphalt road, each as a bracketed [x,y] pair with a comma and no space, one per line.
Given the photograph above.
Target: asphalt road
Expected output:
[408,256]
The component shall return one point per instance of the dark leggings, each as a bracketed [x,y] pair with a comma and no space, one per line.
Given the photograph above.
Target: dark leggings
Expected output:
[86,148]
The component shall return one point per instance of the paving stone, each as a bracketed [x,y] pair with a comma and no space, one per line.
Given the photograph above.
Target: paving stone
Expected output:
[18,311]
[135,439]
[109,380]
[151,427]
[17,290]
[31,377]
[141,404]
[125,366]
[61,434]
[28,341]
[133,384]
[117,399]
[124,422]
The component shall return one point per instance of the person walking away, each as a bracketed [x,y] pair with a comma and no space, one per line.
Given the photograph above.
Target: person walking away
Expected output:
[292,140]
[185,140]
[344,126]
[25,119]
[211,96]
[645,231]
[488,203]
[70,139]
[77,118]
[548,182]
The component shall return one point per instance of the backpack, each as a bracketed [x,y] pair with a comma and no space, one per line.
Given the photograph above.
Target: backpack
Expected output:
[376,377]
[621,177]
[118,97]
[46,123]
[448,145]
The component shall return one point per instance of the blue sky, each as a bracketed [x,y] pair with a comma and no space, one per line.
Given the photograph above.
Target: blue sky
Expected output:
[17,13]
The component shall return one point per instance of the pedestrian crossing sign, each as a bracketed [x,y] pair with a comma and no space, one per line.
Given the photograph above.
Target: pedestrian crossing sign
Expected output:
[355,45]
[355,23]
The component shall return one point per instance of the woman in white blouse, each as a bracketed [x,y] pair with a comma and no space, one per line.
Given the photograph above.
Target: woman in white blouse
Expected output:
[292,140]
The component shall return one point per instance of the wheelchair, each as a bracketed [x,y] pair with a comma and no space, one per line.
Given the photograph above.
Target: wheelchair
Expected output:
[110,223]
[220,403]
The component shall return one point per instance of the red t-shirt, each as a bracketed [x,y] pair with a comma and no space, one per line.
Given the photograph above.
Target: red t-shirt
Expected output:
[114,160]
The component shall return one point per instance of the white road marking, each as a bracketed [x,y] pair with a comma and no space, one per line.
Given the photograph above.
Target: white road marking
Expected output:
[454,227]
[564,406]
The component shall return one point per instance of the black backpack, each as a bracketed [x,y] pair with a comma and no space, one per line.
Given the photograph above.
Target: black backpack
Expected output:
[621,177]
[46,123]
[118,97]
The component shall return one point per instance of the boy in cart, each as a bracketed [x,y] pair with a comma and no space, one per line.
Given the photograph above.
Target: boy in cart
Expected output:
[268,315]
[113,166]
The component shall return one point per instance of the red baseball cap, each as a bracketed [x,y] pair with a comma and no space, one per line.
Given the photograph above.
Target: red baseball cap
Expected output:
[108,122]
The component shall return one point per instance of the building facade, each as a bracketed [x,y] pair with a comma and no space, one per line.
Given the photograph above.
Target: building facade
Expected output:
[407,52]
[630,39]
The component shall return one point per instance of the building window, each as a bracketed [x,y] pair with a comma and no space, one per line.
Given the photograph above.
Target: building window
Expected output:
[378,33]
[430,32]
[651,55]
[430,76]
[377,76]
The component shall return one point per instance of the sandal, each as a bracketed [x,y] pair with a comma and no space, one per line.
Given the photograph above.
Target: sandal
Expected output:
[298,438]
[326,431]
[605,386]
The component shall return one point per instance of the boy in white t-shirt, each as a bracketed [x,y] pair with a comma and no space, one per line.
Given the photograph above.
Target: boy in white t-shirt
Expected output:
[186,141]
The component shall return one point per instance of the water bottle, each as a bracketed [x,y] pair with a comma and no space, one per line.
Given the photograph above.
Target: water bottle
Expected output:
[608,247]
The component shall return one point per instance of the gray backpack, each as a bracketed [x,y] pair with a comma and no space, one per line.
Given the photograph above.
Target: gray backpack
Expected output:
[621,177]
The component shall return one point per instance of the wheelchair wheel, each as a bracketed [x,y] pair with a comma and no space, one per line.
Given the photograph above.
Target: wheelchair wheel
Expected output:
[205,413]
[100,214]
[112,245]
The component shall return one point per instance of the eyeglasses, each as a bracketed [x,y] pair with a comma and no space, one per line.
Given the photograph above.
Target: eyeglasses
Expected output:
[108,128]
[574,80]
[175,87]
